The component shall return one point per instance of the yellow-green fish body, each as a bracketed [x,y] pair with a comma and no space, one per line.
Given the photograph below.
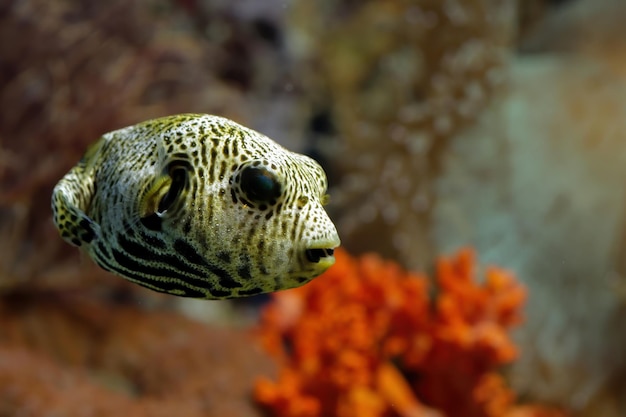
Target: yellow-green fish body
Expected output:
[198,206]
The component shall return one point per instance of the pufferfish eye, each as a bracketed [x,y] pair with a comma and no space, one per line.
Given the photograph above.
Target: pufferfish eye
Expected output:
[163,194]
[259,184]
[178,176]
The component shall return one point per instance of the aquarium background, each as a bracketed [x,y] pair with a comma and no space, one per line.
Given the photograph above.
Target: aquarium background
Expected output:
[494,125]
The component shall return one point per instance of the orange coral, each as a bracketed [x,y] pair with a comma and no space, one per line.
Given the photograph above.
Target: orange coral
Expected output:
[366,339]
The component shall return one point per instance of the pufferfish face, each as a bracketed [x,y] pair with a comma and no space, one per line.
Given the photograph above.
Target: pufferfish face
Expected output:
[198,206]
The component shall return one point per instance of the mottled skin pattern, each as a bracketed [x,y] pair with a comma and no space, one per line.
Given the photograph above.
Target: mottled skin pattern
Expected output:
[198,206]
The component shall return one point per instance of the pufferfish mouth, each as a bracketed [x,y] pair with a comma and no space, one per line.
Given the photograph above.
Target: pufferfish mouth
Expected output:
[315,255]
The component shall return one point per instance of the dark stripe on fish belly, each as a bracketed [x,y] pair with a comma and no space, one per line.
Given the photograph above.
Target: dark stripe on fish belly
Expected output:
[221,293]
[103,249]
[166,286]
[136,249]
[158,275]
[251,291]
[152,241]
[192,273]
[244,271]
[190,254]
[224,257]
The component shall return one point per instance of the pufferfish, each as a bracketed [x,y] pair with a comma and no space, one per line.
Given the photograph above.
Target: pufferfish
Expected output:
[198,206]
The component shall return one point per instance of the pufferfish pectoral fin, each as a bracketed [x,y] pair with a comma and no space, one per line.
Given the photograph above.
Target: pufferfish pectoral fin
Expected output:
[70,198]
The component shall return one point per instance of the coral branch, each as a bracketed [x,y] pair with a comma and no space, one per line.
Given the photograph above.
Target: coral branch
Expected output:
[366,339]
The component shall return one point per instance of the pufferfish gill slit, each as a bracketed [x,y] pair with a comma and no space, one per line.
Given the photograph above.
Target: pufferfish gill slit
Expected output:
[198,206]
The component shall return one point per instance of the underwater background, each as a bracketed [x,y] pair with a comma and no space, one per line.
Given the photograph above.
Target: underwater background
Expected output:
[457,134]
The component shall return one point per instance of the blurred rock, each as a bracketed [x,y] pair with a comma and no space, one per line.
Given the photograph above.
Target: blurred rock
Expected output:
[401,78]
[550,203]
[71,356]
[538,186]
